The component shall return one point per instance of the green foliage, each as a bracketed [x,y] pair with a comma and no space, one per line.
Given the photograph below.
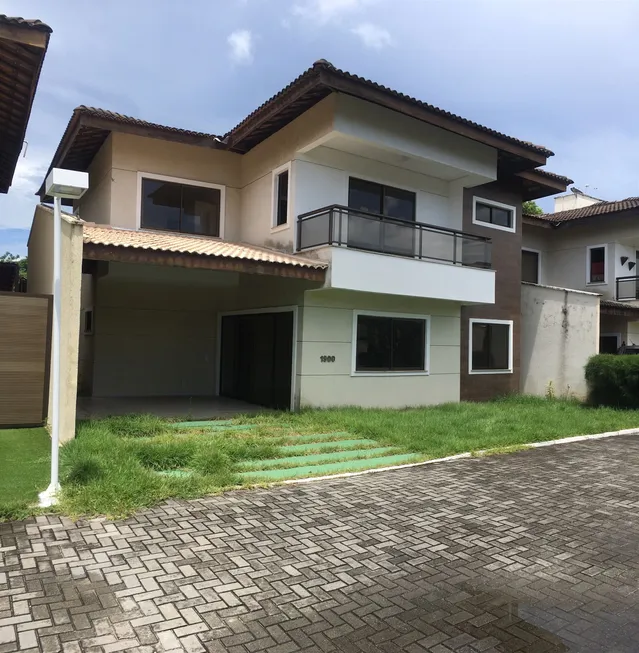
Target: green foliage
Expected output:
[84,470]
[613,380]
[532,208]
[22,262]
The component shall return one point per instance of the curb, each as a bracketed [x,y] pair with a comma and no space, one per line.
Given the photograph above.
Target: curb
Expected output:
[468,454]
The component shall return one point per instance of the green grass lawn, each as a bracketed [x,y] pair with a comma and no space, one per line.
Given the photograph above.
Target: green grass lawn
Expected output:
[117,465]
[25,456]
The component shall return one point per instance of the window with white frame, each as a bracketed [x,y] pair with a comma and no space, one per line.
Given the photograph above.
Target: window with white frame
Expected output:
[495,215]
[175,206]
[390,343]
[281,179]
[491,346]
[596,261]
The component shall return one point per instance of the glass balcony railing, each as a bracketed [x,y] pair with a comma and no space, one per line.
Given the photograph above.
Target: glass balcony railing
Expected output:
[339,225]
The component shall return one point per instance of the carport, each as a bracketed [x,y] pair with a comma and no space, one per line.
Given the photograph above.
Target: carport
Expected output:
[181,325]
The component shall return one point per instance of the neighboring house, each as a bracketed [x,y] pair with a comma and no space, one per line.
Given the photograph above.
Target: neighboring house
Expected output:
[345,244]
[23,45]
[590,245]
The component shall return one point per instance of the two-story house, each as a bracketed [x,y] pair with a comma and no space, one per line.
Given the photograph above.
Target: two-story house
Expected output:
[591,245]
[345,244]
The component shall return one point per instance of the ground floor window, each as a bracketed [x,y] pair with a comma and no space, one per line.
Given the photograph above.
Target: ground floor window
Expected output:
[491,346]
[385,342]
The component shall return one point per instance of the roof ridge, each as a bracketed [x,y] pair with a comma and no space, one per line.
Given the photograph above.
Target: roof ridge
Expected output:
[31,23]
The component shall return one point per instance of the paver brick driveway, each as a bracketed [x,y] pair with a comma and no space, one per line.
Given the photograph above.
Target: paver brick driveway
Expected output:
[535,551]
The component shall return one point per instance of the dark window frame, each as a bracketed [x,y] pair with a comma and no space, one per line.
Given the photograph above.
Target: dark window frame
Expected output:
[537,255]
[383,188]
[591,280]
[394,323]
[490,323]
[492,206]
[174,182]
[281,207]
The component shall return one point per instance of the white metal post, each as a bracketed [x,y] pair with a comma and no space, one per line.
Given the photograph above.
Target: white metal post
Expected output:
[49,496]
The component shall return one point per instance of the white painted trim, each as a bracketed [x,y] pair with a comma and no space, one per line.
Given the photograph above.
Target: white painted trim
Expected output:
[461,456]
[186,182]
[478,320]
[499,205]
[252,311]
[411,316]
[605,281]
[274,175]
[538,252]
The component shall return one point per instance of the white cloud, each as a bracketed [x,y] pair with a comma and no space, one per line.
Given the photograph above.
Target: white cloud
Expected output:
[326,11]
[373,36]
[241,43]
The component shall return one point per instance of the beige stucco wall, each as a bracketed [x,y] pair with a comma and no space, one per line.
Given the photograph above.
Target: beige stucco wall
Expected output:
[559,333]
[95,205]
[327,330]
[155,328]
[41,281]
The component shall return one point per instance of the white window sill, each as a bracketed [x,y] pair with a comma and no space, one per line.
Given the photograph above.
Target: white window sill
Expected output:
[387,374]
[490,372]
[490,225]
[281,227]
[596,283]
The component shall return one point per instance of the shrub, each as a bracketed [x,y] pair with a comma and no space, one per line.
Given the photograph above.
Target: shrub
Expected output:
[613,380]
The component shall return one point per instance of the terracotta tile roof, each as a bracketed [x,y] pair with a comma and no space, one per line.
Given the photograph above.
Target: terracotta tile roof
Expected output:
[186,244]
[601,208]
[552,175]
[322,64]
[31,23]
[618,306]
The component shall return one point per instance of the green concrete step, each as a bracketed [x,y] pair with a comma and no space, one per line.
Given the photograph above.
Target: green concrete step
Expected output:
[293,438]
[215,426]
[201,423]
[329,468]
[327,444]
[297,461]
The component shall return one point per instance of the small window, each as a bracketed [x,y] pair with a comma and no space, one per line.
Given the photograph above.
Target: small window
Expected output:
[597,264]
[173,206]
[490,346]
[281,198]
[494,214]
[390,344]
[87,326]
[530,266]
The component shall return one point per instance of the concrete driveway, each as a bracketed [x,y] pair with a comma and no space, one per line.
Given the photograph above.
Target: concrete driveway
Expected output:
[535,551]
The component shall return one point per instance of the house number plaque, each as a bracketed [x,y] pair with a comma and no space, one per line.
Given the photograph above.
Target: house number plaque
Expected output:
[327,359]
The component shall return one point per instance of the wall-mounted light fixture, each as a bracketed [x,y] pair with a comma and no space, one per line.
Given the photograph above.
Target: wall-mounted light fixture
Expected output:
[623,260]
[631,265]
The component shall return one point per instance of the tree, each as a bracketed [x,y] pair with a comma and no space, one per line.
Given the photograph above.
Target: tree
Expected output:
[8,257]
[532,208]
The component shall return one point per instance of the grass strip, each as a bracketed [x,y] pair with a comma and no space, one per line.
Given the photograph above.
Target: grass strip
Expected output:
[316,459]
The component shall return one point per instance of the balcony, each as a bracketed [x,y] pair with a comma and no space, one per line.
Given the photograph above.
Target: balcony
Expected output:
[425,260]
[627,289]
[339,225]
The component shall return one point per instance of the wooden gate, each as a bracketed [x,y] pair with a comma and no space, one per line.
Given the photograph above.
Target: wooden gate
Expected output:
[25,353]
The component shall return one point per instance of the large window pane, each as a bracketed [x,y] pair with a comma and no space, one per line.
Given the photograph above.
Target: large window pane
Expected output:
[490,346]
[161,203]
[399,204]
[530,267]
[496,215]
[364,195]
[200,210]
[408,344]
[281,208]
[373,343]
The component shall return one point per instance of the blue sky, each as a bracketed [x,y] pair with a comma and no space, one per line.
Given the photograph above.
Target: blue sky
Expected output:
[561,73]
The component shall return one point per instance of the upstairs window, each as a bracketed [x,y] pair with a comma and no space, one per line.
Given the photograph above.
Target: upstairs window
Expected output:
[281,198]
[493,214]
[596,272]
[172,206]
[383,200]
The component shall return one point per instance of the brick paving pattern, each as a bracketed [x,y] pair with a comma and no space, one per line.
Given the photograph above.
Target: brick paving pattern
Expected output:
[536,552]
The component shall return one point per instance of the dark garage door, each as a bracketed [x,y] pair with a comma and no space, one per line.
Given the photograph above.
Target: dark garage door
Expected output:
[257,358]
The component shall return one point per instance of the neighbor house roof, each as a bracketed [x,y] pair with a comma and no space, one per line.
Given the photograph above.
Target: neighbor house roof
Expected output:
[610,307]
[594,210]
[89,127]
[103,239]
[23,45]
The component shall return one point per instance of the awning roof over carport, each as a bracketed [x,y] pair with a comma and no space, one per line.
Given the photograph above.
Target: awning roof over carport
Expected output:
[105,243]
